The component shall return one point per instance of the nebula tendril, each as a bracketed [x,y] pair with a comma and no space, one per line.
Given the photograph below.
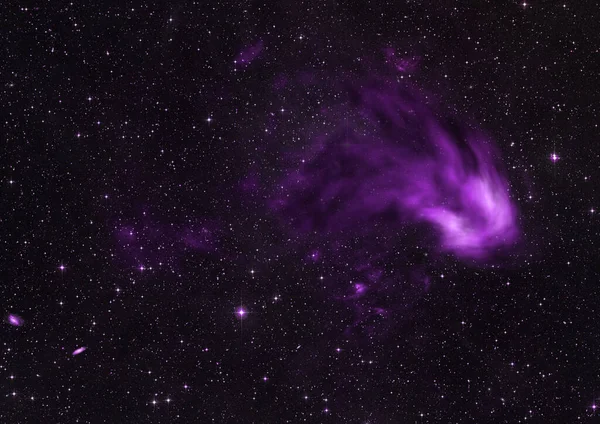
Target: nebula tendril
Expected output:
[402,158]
[400,165]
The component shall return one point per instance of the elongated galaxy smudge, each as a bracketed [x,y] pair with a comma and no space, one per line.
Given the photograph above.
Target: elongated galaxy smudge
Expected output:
[15,320]
[79,350]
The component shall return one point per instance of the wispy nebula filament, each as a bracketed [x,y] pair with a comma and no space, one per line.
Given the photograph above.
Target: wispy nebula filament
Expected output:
[404,160]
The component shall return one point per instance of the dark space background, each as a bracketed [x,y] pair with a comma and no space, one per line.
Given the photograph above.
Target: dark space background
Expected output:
[129,141]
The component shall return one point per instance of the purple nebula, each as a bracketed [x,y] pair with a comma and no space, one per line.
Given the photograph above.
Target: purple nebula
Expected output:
[402,64]
[249,54]
[359,290]
[251,182]
[314,255]
[199,237]
[79,350]
[402,161]
[395,180]
[15,320]
[390,179]
[154,243]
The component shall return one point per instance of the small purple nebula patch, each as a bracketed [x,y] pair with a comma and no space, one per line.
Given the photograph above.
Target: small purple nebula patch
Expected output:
[154,242]
[15,320]
[402,64]
[79,350]
[314,255]
[248,54]
[359,290]
[251,182]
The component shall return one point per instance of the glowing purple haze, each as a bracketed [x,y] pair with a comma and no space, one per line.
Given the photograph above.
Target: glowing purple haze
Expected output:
[249,54]
[402,159]
[390,179]
[402,64]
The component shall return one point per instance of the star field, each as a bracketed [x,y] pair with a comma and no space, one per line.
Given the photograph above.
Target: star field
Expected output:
[300,212]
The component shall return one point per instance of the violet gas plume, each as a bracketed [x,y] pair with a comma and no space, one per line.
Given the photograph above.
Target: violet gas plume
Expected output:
[402,158]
